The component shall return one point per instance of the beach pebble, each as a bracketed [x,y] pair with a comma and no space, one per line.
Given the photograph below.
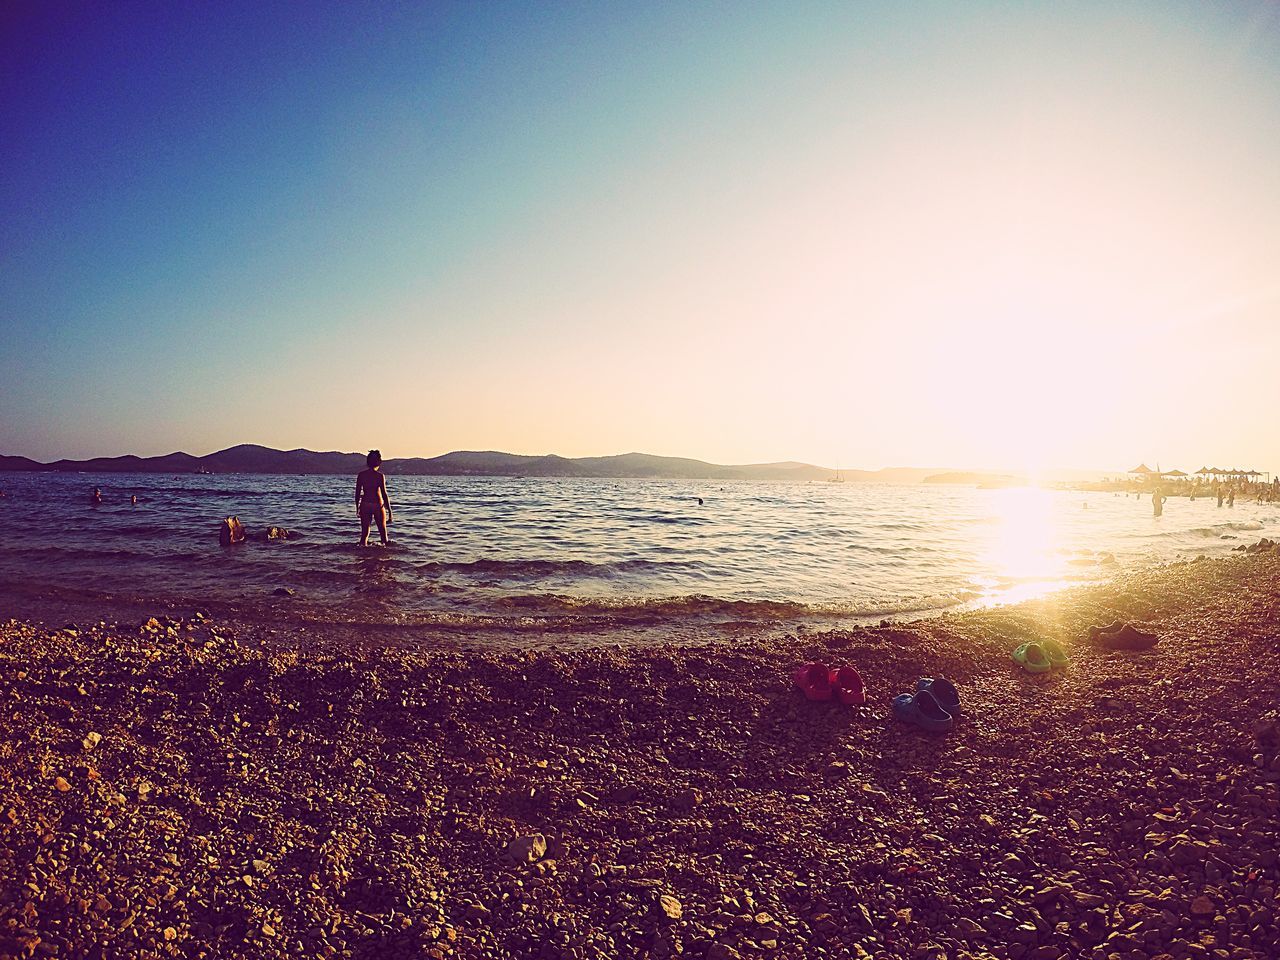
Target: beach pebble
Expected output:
[1202,908]
[670,907]
[527,849]
[686,800]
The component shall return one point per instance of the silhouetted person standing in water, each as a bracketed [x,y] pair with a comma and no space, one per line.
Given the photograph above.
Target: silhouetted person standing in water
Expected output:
[1157,502]
[372,501]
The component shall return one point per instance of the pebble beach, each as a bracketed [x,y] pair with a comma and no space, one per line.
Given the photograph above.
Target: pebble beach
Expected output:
[184,785]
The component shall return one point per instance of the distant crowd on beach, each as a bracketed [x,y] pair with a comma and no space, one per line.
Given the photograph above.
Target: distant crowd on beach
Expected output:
[1224,491]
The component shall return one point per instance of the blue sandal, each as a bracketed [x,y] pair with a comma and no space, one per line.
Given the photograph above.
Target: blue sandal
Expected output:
[922,709]
[944,691]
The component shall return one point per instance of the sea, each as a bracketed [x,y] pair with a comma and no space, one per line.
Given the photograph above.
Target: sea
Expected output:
[552,562]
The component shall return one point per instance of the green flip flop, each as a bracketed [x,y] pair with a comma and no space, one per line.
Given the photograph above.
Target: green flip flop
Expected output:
[1053,650]
[1032,658]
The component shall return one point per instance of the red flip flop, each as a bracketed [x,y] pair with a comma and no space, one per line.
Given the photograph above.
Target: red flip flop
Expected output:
[814,681]
[846,683]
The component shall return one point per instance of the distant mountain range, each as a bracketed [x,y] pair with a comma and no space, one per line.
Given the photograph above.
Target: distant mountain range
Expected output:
[250,458]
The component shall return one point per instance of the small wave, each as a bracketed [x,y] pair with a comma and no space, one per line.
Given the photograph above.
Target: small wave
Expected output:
[653,609]
[1217,529]
[532,569]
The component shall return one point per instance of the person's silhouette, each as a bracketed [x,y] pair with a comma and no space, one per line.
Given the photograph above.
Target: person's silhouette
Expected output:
[372,502]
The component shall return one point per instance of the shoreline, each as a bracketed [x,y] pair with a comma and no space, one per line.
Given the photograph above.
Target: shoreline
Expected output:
[258,795]
[462,572]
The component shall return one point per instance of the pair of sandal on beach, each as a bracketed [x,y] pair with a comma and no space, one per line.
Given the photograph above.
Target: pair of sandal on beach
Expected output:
[817,681]
[933,707]
[1040,656]
[1123,636]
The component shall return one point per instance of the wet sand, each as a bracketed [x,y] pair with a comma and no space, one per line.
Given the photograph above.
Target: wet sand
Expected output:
[191,787]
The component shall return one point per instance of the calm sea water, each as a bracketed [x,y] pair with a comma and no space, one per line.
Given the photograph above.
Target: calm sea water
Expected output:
[592,556]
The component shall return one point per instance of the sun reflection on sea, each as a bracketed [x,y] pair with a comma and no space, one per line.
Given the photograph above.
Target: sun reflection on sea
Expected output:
[1023,557]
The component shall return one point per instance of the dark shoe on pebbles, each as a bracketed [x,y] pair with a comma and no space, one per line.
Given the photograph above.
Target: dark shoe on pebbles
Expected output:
[922,709]
[1095,632]
[1128,637]
[944,691]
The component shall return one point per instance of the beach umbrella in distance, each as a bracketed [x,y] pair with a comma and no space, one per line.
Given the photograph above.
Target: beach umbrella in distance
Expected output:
[1143,469]
[1203,470]
[1175,473]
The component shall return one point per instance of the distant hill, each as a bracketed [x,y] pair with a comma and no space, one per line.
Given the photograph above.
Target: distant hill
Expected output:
[20,463]
[251,458]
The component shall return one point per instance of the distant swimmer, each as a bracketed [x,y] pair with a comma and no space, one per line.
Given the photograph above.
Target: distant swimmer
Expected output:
[134,499]
[700,501]
[95,498]
[1231,497]
[372,502]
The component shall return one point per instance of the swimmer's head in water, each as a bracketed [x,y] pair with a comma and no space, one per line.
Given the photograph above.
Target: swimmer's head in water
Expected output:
[374,458]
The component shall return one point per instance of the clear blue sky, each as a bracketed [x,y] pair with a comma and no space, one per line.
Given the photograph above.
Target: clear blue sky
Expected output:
[980,234]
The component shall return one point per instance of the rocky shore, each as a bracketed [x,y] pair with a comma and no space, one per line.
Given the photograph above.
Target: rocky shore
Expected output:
[182,787]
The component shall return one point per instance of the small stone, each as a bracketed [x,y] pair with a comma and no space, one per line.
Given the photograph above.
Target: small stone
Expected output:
[1089,901]
[61,785]
[686,799]
[670,906]
[1025,933]
[92,740]
[527,849]
[170,933]
[1202,908]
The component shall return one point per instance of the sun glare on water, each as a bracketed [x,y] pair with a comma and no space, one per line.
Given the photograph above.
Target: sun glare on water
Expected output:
[1023,557]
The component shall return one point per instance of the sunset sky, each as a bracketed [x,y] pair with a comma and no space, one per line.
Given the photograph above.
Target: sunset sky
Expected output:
[1009,235]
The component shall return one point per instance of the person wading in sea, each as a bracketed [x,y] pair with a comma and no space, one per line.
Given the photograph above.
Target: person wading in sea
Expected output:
[372,502]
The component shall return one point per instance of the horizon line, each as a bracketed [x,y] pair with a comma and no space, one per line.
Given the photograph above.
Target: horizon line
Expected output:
[996,470]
